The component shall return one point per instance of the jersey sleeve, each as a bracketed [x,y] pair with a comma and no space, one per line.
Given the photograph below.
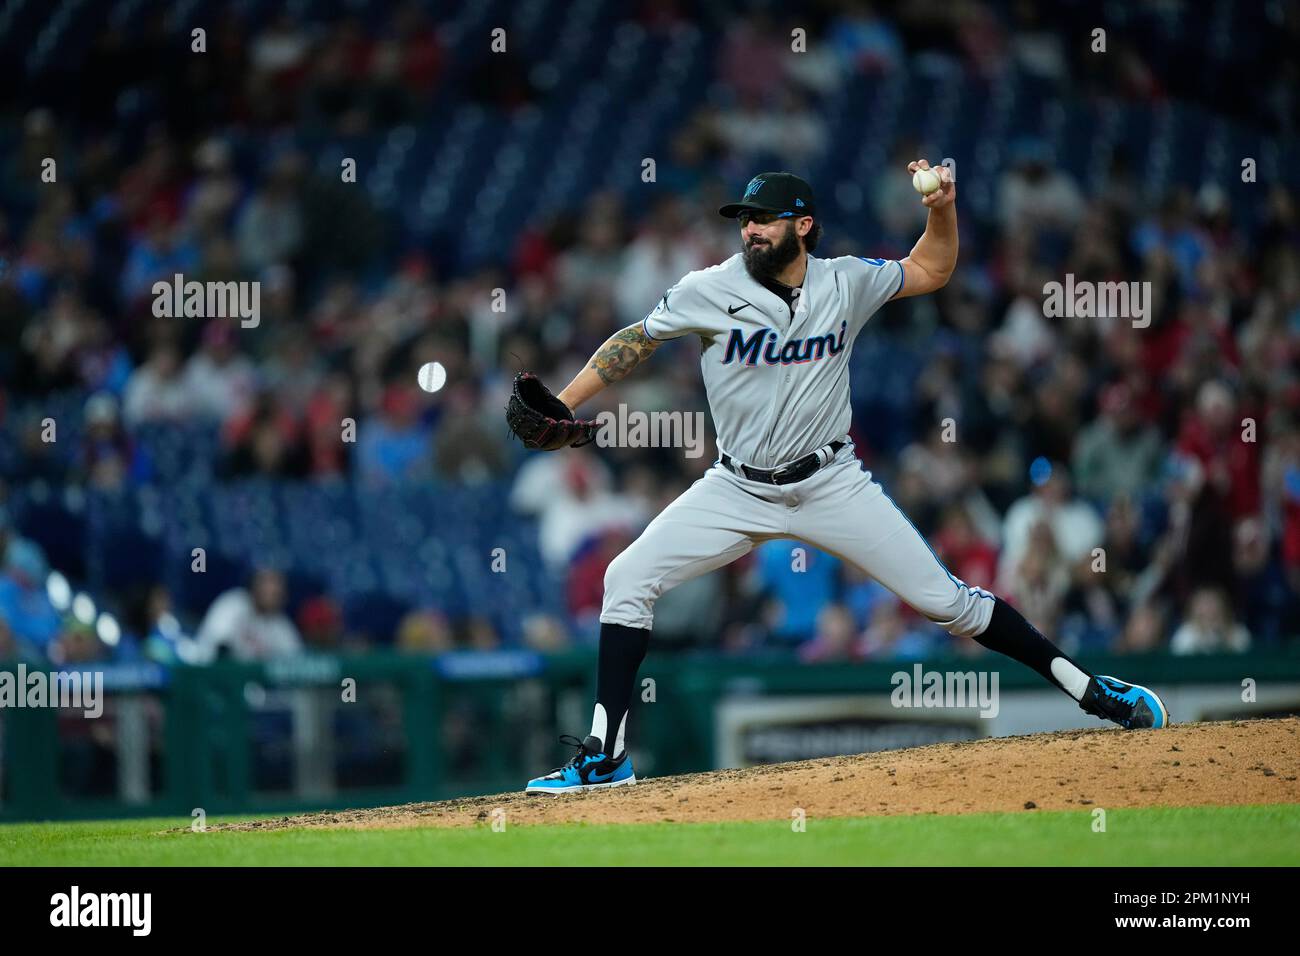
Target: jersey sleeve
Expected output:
[678,313]
[873,283]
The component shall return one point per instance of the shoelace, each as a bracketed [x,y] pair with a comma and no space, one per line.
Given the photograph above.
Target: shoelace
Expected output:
[1103,704]
[577,758]
[1110,691]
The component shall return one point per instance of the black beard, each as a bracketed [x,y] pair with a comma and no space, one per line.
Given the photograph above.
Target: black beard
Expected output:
[764,261]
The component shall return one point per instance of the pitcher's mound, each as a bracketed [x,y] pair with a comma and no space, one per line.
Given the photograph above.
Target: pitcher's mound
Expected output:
[1231,762]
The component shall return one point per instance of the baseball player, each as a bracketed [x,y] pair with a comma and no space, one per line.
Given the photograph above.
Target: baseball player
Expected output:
[776,326]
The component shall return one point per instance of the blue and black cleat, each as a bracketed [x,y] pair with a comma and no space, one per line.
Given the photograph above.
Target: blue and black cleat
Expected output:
[1129,705]
[589,769]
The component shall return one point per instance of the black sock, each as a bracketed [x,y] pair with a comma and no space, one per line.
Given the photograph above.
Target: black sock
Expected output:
[1009,633]
[622,649]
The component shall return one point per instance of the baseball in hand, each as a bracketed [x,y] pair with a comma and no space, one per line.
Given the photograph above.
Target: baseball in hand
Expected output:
[925,181]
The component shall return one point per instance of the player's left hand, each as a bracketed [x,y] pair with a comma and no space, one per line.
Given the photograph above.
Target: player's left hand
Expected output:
[947,191]
[541,420]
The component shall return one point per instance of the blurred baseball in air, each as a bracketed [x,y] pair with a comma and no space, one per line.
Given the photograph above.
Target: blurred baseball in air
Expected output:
[433,376]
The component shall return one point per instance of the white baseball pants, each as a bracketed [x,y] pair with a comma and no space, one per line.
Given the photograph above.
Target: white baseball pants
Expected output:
[839,509]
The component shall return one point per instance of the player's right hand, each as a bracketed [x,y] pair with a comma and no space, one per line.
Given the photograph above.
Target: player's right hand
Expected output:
[946,194]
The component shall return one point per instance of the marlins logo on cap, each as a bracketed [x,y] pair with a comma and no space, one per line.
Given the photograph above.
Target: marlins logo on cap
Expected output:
[774,192]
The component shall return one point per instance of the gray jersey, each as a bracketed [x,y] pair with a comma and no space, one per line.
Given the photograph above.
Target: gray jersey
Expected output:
[778,386]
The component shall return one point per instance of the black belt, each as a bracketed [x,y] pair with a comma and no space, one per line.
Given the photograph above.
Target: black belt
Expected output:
[796,470]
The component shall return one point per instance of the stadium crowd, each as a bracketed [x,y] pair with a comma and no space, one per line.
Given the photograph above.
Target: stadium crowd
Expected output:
[1128,488]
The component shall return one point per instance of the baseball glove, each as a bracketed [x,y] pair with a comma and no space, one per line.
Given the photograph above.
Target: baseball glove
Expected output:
[541,420]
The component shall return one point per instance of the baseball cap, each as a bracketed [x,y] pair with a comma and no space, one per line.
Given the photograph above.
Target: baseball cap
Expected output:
[774,192]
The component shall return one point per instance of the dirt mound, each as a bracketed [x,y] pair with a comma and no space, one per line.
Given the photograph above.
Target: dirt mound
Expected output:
[1233,762]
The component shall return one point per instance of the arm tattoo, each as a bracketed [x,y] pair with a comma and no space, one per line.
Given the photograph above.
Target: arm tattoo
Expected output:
[624,351]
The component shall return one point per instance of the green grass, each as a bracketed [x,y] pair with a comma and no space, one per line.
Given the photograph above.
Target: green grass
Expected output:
[1221,836]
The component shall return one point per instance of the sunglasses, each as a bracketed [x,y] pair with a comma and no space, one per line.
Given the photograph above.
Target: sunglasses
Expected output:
[762,218]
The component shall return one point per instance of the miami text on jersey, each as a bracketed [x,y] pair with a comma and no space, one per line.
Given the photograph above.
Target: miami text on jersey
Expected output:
[794,352]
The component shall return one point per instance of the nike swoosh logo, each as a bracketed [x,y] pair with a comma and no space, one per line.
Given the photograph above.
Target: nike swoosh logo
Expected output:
[733,311]
[601,778]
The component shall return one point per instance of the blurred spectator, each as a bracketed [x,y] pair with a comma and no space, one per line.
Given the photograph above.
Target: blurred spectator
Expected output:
[103,364]
[1213,435]
[327,408]
[865,41]
[834,638]
[963,551]
[1034,194]
[1026,335]
[1036,47]
[265,440]
[216,191]
[157,390]
[894,199]
[1209,626]
[691,614]
[1053,424]
[164,641]
[479,634]
[686,168]
[221,380]
[465,449]
[1038,582]
[292,370]
[425,632]
[794,581]
[1282,471]
[862,593]
[592,265]
[1118,453]
[281,49]
[109,459]
[749,42]
[1170,233]
[320,622]
[545,634]
[1261,596]
[250,624]
[1144,631]
[586,585]
[393,445]
[783,129]
[51,342]
[1107,586]
[1073,526]
[24,605]
[654,261]
[76,645]
[895,633]
[940,466]
[570,494]
[270,229]
[159,254]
